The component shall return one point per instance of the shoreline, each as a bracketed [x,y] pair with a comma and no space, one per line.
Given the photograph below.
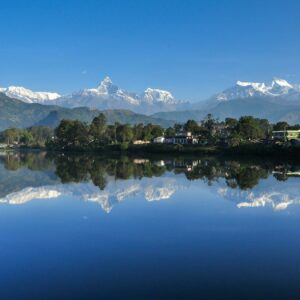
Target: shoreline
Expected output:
[247,150]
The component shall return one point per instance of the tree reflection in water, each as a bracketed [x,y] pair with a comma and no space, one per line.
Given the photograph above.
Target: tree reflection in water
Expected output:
[242,174]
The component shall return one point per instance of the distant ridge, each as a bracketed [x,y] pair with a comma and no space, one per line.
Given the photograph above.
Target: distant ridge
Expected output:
[16,113]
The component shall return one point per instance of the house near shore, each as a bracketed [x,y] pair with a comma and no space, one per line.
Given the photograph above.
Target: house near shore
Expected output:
[180,138]
[286,136]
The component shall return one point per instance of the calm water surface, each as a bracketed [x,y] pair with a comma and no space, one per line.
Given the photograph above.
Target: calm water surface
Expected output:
[122,228]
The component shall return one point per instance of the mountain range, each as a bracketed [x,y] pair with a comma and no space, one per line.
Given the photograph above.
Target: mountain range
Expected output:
[110,96]
[277,101]
[105,96]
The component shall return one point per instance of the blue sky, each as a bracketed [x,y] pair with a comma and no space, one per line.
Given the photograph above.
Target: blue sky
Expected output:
[192,48]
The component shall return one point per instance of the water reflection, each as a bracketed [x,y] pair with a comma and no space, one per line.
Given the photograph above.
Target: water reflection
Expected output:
[108,181]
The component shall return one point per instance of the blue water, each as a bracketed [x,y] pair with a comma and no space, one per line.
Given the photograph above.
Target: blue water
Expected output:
[156,237]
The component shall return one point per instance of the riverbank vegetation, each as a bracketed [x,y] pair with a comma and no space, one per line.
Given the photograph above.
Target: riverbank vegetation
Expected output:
[211,136]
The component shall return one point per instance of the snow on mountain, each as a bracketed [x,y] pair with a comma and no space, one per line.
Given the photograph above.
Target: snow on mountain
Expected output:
[107,91]
[29,96]
[156,95]
[109,96]
[106,95]
[277,88]
[279,92]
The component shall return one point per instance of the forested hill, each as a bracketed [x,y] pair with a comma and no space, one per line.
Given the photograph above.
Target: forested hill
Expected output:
[15,113]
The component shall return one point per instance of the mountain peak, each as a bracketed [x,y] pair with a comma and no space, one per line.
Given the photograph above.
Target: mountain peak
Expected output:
[250,84]
[281,82]
[156,95]
[243,89]
[106,86]
[107,80]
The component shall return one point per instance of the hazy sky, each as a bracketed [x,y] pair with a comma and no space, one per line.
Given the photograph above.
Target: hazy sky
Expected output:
[192,48]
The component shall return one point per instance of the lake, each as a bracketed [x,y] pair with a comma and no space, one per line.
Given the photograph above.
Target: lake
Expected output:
[88,227]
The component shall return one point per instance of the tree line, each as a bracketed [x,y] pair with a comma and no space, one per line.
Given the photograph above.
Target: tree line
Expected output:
[34,136]
[74,134]
[211,131]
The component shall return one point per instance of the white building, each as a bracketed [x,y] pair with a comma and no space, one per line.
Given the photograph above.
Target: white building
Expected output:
[159,140]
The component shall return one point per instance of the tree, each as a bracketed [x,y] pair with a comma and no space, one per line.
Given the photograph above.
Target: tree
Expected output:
[249,128]
[178,127]
[26,138]
[41,134]
[208,129]
[231,123]
[209,122]
[124,133]
[265,126]
[138,131]
[12,135]
[72,134]
[280,126]
[170,131]
[97,128]
[157,131]
[111,134]
[192,126]
[147,133]
[79,134]
[62,132]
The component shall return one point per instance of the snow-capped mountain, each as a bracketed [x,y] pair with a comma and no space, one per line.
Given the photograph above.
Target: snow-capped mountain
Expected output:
[276,101]
[106,95]
[277,88]
[109,96]
[155,95]
[29,96]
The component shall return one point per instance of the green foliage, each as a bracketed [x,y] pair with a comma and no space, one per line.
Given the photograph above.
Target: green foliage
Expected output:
[41,134]
[77,135]
[72,134]
[280,126]
[124,133]
[97,129]
[170,131]
[251,128]
[238,174]
[16,113]
[192,126]
[210,133]
[26,138]
[34,136]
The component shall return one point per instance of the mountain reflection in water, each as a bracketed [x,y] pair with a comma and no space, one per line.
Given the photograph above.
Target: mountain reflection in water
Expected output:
[109,181]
